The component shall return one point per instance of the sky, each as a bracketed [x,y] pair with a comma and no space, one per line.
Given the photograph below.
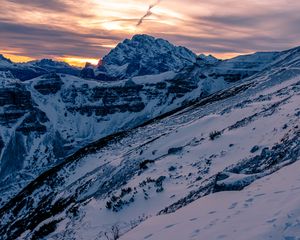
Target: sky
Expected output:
[85,30]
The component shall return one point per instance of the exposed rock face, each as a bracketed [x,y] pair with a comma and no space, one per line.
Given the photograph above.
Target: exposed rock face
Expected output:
[15,102]
[87,72]
[49,84]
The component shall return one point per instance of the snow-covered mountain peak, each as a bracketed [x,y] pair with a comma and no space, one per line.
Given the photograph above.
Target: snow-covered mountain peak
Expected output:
[145,44]
[145,55]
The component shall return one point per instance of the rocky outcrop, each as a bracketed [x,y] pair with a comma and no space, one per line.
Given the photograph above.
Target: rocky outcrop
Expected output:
[87,72]
[15,102]
[49,84]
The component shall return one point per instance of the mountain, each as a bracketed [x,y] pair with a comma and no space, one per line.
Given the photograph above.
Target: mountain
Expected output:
[87,159]
[144,55]
[90,159]
[54,115]
[33,69]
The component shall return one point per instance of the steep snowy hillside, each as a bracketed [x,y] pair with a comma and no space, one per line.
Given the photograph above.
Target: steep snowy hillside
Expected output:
[30,70]
[220,143]
[48,118]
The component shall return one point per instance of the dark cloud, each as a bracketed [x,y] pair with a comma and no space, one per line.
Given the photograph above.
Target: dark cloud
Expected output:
[51,5]
[39,41]
[262,31]
[237,44]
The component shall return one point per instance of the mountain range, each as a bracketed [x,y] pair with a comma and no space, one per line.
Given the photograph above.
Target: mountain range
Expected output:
[153,133]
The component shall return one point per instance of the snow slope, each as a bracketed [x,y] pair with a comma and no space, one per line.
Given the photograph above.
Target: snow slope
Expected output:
[267,209]
[220,143]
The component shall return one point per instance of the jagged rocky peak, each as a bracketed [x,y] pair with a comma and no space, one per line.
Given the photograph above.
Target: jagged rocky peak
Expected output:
[88,71]
[145,55]
[208,59]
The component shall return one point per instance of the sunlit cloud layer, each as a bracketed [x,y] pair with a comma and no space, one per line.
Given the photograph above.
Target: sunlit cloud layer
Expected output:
[76,31]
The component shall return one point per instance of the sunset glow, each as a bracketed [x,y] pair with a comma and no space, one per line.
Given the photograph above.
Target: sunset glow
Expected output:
[18,58]
[224,28]
[77,61]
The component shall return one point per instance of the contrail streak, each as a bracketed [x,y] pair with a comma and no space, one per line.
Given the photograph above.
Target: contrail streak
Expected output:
[148,13]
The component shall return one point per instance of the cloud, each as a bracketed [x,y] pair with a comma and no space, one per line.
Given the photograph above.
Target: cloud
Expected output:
[148,13]
[39,28]
[49,5]
[53,42]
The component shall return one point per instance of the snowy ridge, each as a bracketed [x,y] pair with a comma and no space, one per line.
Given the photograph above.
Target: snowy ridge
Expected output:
[222,143]
[33,69]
